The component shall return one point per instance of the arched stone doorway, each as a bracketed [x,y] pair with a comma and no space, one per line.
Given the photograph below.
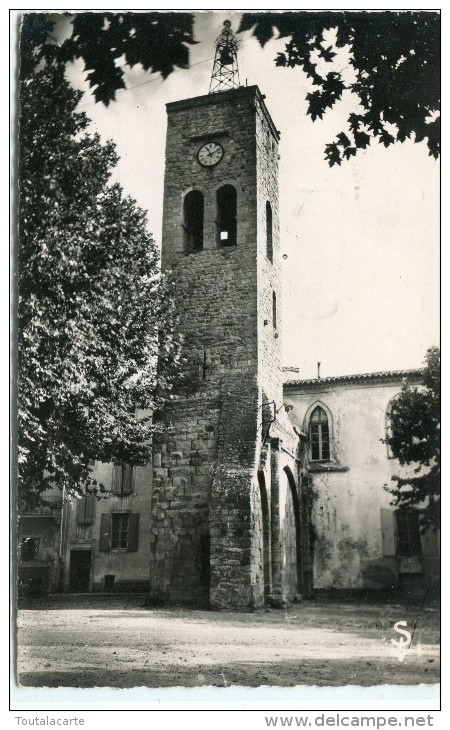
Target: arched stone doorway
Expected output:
[290,536]
[265,515]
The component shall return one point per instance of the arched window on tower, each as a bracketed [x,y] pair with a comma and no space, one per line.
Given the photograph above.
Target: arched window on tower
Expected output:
[193,208]
[319,435]
[269,232]
[226,215]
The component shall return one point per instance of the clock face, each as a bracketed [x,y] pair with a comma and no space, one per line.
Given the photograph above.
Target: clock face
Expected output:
[210,154]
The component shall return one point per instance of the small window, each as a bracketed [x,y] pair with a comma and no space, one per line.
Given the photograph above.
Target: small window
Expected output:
[269,232]
[193,210]
[122,479]
[29,548]
[85,510]
[226,216]
[408,533]
[319,433]
[119,531]
[274,311]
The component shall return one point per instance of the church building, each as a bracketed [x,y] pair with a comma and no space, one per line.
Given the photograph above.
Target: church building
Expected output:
[228,515]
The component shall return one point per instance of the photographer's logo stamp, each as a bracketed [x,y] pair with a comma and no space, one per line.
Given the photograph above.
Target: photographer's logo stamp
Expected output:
[403,642]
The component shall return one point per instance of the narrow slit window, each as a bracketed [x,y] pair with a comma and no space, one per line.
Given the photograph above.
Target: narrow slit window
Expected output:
[319,434]
[226,216]
[193,211]
[274,311]
[269,232]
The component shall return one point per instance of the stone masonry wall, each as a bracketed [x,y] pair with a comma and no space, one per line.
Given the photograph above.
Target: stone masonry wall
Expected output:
[269,272]
[204,471]
[130,569]
[351,502]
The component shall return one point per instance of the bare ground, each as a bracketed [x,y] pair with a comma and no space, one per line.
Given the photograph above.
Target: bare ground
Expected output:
[88,642]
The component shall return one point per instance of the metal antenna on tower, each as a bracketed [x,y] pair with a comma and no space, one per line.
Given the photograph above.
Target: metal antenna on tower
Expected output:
[225,73]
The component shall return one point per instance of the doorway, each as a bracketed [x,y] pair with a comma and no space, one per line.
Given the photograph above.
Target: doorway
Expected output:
[80,571]
[265,535]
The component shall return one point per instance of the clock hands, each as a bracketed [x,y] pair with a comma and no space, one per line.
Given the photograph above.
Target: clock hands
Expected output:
[210,154]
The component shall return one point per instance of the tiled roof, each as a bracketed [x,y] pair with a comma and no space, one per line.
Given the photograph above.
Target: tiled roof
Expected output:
[384,375]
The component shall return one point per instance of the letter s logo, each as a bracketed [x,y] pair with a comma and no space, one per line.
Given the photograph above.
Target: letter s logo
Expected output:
[404,633]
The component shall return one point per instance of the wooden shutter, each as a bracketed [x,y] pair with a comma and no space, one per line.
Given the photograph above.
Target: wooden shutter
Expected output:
[133,532]
[117,478]
[85,510]
[127,479]
[105,533]
[388,532]
[80,510]
[430,544]
[89,507]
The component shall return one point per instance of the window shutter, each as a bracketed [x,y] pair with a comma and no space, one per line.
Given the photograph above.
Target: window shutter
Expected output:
[133,532]
[85,510]
[430,544]
[388,532]
[80,510]
[89,507]
[127,479]
[105,533]
[117,478]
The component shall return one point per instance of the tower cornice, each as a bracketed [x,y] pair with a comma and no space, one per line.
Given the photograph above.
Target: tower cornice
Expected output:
[217,99]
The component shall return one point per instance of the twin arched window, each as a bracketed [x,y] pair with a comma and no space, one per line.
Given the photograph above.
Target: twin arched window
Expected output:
[193,210]
[319,435]
[226,218]
[226,215]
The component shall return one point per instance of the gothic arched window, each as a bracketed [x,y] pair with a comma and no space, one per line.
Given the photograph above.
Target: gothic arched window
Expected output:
[193,207]
[269,232]
[226,215]
[319,435]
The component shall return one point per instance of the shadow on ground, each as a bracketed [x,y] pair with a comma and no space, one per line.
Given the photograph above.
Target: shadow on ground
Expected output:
[286,674]
[122,644]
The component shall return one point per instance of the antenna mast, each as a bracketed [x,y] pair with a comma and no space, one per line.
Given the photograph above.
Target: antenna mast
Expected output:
[225,73]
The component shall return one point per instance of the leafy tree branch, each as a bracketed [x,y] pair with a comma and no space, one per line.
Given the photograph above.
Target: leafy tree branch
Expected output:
[393,69]
[95,318]
[414,439]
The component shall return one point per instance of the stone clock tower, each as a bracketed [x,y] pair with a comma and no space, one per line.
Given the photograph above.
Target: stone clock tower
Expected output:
[221,245]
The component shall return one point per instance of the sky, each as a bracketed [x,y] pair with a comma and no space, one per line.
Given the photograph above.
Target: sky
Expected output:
[360,242]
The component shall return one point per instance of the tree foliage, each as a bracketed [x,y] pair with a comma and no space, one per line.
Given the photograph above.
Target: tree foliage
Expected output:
[415,440]
[159,42]
[93,310]
[392,67]
[392,62]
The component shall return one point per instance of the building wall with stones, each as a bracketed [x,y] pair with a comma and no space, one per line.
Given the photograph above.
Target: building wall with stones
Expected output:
[106,541]
[214,519]
[39,557]
[213,482]
[359,543]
